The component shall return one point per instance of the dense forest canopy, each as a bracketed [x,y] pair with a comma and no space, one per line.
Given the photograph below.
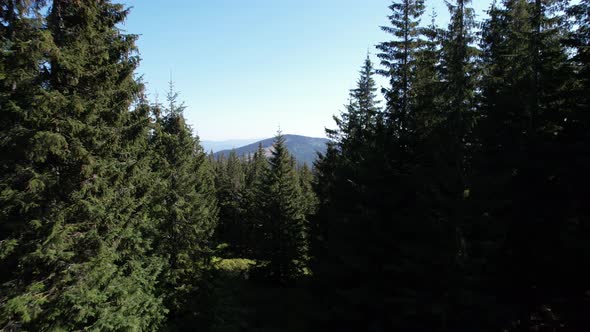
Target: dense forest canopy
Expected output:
[454,198]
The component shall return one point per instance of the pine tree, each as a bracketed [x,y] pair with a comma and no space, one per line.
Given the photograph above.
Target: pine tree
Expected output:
[362,117]
[230,190]
[308,196]
[23,45]
[460,76]
[281,250]
[185,209]
[577,131]
[253,202]
[448,151]
[398,57]
[580,39]
[366,109]
[379,217]
[257,169]
[344,244]
[79,258]
[427,83]
[21,25]
[481,240]
[525,159]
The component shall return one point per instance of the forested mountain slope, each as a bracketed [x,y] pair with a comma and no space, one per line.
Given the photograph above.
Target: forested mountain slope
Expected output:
[303,148]
[456,198]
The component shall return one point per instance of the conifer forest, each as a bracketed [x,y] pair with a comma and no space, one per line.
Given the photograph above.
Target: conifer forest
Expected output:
[456,197]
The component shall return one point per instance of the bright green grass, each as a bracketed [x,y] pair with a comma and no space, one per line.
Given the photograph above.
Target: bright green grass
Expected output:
[233,265]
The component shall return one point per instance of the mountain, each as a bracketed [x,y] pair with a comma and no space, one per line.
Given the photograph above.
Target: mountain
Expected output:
[303,148]
[216,146]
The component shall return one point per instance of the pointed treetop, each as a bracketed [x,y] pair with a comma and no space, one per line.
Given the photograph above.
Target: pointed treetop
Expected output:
[172,97]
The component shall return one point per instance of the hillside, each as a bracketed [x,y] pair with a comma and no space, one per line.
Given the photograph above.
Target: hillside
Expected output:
[216,146]
[304,148]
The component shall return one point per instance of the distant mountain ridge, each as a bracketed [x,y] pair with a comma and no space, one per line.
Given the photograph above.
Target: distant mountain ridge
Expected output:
[303,148]
[215,146]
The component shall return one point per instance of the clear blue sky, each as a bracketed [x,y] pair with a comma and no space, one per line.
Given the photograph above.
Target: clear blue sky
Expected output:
[244,68]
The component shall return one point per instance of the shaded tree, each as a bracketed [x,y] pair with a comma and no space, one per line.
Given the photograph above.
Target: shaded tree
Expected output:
[184,208]
[73,179]
[281,247]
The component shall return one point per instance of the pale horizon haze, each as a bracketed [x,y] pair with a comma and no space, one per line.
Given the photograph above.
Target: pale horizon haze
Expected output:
[244,69]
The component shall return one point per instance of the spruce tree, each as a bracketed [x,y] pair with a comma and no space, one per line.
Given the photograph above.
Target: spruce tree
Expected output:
[282,244]
[230,189]
[398,56]
[344,237]
[257,168]
[427,83]
[577,127]
[450,146]
[23,45]
[415,167]
[362,117]
[308,196]
[580,39]
[253,202]
[460,76]
[185,209]
[379,217]
[524,159]
[78,258]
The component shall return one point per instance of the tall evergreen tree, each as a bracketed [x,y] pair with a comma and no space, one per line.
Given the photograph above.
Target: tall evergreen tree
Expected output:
[398,56]
[308,196]
[427,83]
[231,178]
[362,117]
[343,233]
[577,127]
[185,208]
[282,246]
[253,202]
[525,159]
[78,257]
[380,219]
[21,25]
[460,77]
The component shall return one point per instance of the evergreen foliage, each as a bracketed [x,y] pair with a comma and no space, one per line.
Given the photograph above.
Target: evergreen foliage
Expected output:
[399,59]
[308,197]
[254,201]
[281,248]
[184,208]
[475,139]
[349,179]
[460,205]
[230,181]
[525,143]
[73,186]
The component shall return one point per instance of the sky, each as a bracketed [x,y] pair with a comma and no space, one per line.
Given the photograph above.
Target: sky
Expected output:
[244,69]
